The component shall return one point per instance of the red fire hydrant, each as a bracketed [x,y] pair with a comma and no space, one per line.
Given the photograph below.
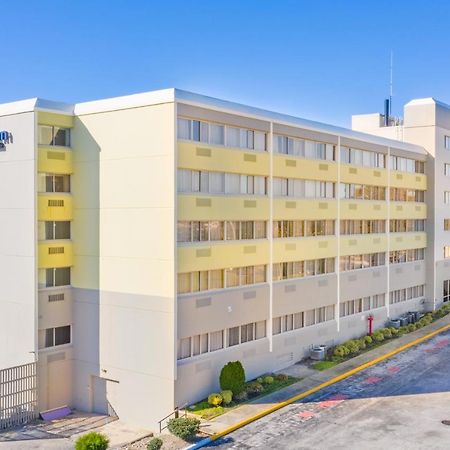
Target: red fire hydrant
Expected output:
[370,319]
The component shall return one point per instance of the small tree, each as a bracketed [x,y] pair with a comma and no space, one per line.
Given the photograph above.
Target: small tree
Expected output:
[92,441]
[232,377]
[155,444]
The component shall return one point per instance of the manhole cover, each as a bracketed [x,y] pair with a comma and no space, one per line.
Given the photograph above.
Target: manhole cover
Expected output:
[446,422]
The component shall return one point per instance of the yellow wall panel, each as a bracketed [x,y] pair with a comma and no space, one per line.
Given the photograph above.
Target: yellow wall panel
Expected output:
[222,255]
[363,209]
[204,207]
[60,120]
[198,156]
[46,210]
[404,241]
[363,244]
[302,249]
[298,209]
[364,175]
[291,167]
[408,180]
[54,160]
[63,257]
[408,210]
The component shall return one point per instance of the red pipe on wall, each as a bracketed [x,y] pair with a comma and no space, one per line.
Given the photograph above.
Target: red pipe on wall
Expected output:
[370,319]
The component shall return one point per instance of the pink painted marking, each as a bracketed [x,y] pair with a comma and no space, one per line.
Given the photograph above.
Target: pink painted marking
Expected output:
[338,397]
[441,344]
[393,369]
[329,403]
[306,415]
[372,380]
[428,350]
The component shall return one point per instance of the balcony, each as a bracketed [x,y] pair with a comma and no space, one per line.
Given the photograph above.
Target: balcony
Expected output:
[363,244]
[222,207]
[198,156]
[309,169]
[405,241]
[58,253]
[55,206]
[54,160]
[223,254]
[301,249]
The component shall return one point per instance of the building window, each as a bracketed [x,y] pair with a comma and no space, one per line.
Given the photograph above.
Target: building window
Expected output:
[402,295]
[447,170]
[446,224]
[402,256]
[349,227]
[290,187]
[362,192]
[300,269]
[406,165]
[54,230]
[353,262]
[303,148]
[49,135]
[447,142]
[53,337]
[407,195]
[447,197]
[53,183]
[447,251]
[362,157]
[406,225]
[57,277]
[446,293]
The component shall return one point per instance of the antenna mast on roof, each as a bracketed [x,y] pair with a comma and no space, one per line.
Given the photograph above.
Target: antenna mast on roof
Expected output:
[388,101]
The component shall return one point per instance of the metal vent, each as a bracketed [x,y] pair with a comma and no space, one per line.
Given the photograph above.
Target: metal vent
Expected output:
[57,203]
[291,205]
[323,166]
[249,158]
[55,250]
[249,203]
[203,152]
[203,252]
[249,249]
[352,170]
[203,202]
[323,205]
[290,247]
[202,302]
[290,288]
[249,295]
[291,163]
[56,297]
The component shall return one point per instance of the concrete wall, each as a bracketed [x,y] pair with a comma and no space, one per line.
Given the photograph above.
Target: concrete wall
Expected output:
[18,294]
[124,267]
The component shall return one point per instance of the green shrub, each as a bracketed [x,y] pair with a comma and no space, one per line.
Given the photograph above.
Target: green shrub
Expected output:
[232,377]
[281,377]
[403,330]
[419,325]
[227,396]
[184,427]
[155,444]
[386,333]
[260,380]
[241,397]
[378,336]
[215,399]
[341,351]
[254,388]
[362,343]
[394,331]
[411,327]
[368,340]
[92,441]
[268,380]
[352,345]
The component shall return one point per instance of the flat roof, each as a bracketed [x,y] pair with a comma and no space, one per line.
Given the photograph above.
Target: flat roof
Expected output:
[181,96]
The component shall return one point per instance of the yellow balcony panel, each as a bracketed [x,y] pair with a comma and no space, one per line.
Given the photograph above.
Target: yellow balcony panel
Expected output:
[301,249]
[55,254]
[408,210]
[408,180]
[55,207]
[198,156]
[374,176]
[221,255]
[363,209]
[405,241]
[363,244]
[222,207]
[54,160]
[290,208]
[292,167]
[59,120]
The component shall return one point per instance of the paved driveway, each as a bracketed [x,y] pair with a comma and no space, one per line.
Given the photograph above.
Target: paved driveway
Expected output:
[399,403]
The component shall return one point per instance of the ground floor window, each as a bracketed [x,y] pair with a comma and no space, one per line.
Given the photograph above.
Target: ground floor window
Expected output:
[446,293]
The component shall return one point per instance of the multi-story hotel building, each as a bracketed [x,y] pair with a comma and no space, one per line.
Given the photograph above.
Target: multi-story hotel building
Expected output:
[147,240]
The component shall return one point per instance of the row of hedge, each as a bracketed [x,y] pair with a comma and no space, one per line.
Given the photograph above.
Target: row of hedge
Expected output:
[354,346]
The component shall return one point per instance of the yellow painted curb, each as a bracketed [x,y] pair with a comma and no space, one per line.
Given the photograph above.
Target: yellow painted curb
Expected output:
[325,384]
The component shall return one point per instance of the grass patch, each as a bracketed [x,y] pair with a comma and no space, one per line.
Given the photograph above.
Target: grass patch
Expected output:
[204,410]
[324,365]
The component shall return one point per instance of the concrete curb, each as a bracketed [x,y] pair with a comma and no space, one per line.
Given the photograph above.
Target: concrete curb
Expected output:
[317,388]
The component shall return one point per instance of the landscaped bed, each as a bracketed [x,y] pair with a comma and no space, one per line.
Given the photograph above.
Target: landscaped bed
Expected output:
[253,390]
[355,347]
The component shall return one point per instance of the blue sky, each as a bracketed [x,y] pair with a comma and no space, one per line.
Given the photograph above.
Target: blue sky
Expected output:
[322,60]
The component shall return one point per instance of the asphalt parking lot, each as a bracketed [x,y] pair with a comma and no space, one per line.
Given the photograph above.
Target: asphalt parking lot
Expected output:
[399,403]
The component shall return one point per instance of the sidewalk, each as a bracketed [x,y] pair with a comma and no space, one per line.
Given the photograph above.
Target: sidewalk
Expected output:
[312,379]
